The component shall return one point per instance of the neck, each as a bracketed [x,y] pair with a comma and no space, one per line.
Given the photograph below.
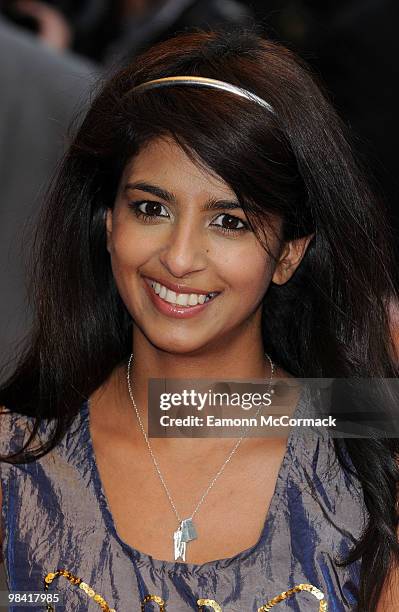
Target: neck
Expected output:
[235,360]
[242,357]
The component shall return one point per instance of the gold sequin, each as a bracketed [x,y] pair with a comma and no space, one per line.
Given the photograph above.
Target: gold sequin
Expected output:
[296,589]
[208,602]
[76,582]
[157,600]
[201,602]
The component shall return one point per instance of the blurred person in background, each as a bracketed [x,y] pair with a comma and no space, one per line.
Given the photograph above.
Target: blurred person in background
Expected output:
[106,31]
[48,22]
[41,92]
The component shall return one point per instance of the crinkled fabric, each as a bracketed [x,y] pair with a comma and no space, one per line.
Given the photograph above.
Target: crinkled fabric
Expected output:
[56,516]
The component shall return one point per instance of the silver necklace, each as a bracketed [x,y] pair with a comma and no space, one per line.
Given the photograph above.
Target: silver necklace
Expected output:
[186,530]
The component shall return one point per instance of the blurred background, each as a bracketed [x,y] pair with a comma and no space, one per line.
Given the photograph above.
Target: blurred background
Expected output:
[52,53]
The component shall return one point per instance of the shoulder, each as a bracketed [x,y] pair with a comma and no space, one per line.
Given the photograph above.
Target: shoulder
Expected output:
[14,430]
[7,425]
[322,474]
[7,434]
[324,501]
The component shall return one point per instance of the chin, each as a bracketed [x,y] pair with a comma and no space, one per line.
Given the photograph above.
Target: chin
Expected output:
[186,344]
[180,348]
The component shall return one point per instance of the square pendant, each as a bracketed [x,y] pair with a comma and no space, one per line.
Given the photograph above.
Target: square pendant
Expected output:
[188,530]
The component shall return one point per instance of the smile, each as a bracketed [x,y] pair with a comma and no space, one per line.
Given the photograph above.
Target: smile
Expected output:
[180,299]
[177,304]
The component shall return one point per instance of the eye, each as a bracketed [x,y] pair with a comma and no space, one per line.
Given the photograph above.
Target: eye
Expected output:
[230,223]
[148,208]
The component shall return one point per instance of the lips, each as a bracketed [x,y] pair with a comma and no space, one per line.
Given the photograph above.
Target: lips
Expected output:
[179,288]
[185,303]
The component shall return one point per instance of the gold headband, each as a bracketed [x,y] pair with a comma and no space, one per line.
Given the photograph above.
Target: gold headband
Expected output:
[198,81]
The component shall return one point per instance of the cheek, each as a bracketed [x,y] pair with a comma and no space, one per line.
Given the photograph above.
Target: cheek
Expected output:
[128,249]
[128,253]
[249,274]
[254,281]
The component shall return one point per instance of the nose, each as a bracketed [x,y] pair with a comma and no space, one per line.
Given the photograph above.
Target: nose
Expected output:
[184,251]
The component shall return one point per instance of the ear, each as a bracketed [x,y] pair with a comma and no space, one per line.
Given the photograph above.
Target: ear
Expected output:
[290,258]
[108,226]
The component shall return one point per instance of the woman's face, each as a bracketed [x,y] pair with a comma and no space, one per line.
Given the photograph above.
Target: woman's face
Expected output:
[188,268]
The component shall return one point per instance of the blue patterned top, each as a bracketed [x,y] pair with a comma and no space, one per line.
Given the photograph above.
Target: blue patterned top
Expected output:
[56,517]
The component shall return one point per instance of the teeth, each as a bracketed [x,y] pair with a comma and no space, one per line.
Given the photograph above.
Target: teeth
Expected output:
[193,299]
[170,297]
[181,299]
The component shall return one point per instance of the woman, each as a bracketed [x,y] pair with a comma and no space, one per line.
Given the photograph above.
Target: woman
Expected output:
[234,185]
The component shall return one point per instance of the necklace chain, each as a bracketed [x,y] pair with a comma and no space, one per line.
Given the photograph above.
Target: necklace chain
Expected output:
[234,449]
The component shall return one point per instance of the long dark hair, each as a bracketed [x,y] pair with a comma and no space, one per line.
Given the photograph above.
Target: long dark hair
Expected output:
[329,320]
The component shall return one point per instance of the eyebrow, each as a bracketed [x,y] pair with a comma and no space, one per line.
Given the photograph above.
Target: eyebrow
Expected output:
[212,204]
